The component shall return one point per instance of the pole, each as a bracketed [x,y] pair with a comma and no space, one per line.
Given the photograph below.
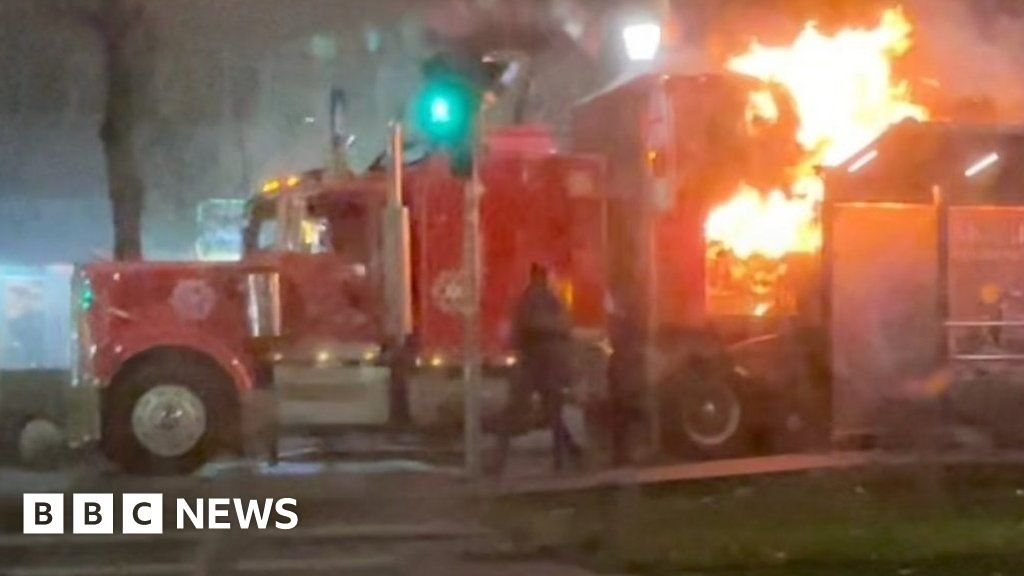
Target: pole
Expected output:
[397,164]
[472,363]
[398,271]
[339,168]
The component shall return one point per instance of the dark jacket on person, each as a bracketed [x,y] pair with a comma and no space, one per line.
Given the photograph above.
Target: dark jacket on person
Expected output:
[540,318]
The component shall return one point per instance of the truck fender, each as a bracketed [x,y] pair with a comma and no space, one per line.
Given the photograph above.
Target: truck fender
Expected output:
[790,377]
[237,365]
[782,361]
[734,378]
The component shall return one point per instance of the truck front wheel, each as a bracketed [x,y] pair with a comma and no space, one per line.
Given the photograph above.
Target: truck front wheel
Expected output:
[168,416]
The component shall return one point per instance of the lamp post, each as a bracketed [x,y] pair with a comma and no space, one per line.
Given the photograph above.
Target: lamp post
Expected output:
[642,41]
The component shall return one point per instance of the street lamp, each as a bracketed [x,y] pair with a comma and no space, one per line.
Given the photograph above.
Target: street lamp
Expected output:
[642,41]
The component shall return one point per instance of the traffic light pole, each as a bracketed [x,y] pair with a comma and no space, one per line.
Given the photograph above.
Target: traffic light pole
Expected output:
[472,360]
[452,110]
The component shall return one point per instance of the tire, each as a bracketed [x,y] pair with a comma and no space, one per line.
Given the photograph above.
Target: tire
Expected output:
[169,416]
[41,445]
[704,415]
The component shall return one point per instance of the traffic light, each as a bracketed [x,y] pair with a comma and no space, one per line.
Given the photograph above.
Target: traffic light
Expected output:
[446,109]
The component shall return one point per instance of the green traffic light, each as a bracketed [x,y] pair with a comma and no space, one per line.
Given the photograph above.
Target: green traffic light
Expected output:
[446,110]
[440,111]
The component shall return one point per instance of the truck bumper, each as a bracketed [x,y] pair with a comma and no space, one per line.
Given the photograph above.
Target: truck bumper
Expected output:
[83,409]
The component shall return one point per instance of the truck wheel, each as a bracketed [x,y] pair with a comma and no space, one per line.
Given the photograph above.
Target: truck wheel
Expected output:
[168,417]
[704,417]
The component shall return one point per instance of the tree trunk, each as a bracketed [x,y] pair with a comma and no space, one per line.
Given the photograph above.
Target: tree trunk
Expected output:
[125,190]
[125,186]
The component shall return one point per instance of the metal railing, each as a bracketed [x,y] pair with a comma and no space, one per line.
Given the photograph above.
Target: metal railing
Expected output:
[953,325]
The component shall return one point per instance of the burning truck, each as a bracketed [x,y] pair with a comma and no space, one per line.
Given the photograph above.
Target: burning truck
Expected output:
[717,230]
[697,202]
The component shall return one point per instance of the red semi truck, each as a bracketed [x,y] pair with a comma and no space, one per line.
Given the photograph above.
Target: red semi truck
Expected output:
[908,303]
[172,357]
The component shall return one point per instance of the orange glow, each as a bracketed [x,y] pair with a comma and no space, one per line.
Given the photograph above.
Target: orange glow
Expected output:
[271,186]
[771,225]
[845,96]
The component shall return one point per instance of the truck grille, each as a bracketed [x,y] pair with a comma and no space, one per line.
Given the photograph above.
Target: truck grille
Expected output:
[83,393]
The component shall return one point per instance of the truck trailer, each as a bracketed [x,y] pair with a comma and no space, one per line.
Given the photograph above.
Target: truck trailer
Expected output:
[903,327]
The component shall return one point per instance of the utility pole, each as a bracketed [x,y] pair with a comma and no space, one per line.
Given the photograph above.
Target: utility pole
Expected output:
[398,272]
[472,359]
[452,111]
[473,272]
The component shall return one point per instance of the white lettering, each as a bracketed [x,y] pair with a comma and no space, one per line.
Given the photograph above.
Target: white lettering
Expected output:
[252,510]
[282,510]
[219,508]
[196,517]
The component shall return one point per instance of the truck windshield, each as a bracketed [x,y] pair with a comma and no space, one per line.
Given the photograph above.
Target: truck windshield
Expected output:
[261,230]
[314,236]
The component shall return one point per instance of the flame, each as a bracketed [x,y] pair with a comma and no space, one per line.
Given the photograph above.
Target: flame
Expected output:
[770,225]
[845,95]
[842,85]
[761,107]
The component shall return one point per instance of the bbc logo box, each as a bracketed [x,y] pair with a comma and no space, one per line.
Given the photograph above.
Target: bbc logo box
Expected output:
[92,513]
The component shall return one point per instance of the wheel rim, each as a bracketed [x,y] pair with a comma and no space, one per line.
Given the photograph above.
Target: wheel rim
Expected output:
[169,420]
[712,416]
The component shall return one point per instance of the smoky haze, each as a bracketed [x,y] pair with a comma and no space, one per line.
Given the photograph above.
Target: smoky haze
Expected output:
[232,93]
[975,50]
[235,91]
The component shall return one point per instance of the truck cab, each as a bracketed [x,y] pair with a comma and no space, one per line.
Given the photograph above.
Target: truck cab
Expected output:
[322,243]
[345,310]
[323,238]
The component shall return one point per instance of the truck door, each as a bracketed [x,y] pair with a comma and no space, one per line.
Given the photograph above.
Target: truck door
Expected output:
[332,276]
[329,373]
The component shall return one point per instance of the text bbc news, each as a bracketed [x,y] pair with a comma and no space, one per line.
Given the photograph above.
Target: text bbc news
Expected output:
[144,513]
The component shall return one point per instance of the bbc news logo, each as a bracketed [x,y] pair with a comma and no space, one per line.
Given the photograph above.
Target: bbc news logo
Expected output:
[144,513]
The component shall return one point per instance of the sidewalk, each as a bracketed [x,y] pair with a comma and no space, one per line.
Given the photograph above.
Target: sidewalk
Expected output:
[525,483]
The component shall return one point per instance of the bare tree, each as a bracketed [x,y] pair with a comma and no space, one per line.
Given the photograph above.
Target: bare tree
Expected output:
[119,29]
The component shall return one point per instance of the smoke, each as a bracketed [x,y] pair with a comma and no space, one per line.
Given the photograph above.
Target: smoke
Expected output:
[968,58]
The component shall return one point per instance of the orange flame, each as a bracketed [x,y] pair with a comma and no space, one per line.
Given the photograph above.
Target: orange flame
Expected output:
[845,96]
[771,225]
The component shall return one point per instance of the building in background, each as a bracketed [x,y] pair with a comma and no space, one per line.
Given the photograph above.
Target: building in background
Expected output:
[35,305]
